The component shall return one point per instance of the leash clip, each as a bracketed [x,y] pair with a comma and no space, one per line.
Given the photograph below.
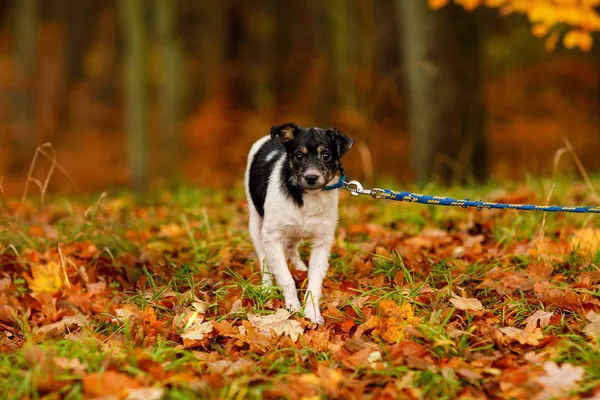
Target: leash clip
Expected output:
[355,188]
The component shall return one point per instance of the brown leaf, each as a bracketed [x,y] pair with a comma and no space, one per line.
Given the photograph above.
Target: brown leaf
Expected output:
[542,316]
[109,383]
[530,335]
[558,381]
[196,334]
[560,297]
[66,324]
[463,303]
[505,282]
[592,329]
[279,322]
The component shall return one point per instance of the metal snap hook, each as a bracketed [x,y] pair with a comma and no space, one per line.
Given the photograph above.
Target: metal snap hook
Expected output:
[354,187]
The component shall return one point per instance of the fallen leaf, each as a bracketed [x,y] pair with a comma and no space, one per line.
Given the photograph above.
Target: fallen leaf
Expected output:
[64,325]
[45,278]
[586,240]
[71,364]
[201,306]
[151,393]
[171,230]
[108,383]
[196,334]
[592,329]
[558,381]
[278,322]
[468,304]
[505,282]
[542,316]
[392,322]
[530,335]
[557,296]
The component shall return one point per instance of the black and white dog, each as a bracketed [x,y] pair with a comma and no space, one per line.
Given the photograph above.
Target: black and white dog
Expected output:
[284,177]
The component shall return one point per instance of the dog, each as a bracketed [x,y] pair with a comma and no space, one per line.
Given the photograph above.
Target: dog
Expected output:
[284,178]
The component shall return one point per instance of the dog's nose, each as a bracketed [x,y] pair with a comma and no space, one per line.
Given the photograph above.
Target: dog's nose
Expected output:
[311,179]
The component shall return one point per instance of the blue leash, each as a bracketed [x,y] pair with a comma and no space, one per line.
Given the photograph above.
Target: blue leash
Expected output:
[355,188]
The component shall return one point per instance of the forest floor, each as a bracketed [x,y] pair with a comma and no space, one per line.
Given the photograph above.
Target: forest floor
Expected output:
[159,297]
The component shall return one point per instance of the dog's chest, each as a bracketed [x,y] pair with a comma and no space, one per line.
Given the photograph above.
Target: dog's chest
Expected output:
[316,217]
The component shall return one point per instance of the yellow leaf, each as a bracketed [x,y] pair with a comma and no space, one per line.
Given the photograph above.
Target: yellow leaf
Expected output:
[437,4]
[585,240]
[171,230]
[540,30]
[494,3]
[551,41]
[542,12]
[394,319]
[469,5]
[45,278]
[585,41]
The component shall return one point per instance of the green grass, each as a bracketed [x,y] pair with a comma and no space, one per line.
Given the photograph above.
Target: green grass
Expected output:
[166,244]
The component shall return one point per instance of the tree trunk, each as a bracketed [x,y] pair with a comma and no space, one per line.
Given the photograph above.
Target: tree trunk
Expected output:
[134,33]
[470,102]
[445,118]
[340,50]
[25,35]
[259,53]
[170,84]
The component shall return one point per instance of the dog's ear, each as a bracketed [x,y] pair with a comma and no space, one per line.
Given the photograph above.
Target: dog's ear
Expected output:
[344,143]
[284,132]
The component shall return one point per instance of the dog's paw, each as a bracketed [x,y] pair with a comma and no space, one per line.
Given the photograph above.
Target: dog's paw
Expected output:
[316,318]
[300,266]
[293,305]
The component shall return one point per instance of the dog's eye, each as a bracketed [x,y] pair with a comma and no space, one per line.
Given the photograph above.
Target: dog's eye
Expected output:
[299,156]
[326,156]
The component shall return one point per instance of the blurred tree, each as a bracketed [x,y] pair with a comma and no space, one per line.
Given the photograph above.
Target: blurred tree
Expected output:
[80,20]
[134,34]
[340,51]
[26,12]
[258,53]
[165,14]
[445,118]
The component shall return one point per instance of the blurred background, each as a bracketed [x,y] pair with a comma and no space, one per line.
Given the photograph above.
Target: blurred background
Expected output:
[138,93]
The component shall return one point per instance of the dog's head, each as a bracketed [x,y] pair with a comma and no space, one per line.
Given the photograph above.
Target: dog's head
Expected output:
[313,154]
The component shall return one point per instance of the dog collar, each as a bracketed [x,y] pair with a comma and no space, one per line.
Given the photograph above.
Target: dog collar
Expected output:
[337,185]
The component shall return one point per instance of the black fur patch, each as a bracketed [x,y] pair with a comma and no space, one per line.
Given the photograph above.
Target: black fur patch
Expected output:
[289,187]
[322,149]
[260,171]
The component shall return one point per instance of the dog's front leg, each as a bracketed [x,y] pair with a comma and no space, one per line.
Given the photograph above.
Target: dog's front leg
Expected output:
[317,270]
[278,267]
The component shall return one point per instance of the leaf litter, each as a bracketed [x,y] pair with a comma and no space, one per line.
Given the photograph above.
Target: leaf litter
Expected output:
[132,301]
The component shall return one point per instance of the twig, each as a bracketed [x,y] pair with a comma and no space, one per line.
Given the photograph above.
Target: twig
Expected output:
[580,166]
[366,161]
[63,267]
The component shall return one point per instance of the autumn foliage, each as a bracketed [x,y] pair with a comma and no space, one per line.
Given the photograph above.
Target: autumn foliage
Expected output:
[162,297]
[548,18]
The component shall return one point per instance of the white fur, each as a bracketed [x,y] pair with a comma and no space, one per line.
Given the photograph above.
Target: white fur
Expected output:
[270,156]
[282,229]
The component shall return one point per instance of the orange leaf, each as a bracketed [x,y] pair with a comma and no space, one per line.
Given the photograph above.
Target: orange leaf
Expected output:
[494,3]
[583,40]
[469,5]
[540,30]
[551,41]
[570,39]
[437,4]
[108,383]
